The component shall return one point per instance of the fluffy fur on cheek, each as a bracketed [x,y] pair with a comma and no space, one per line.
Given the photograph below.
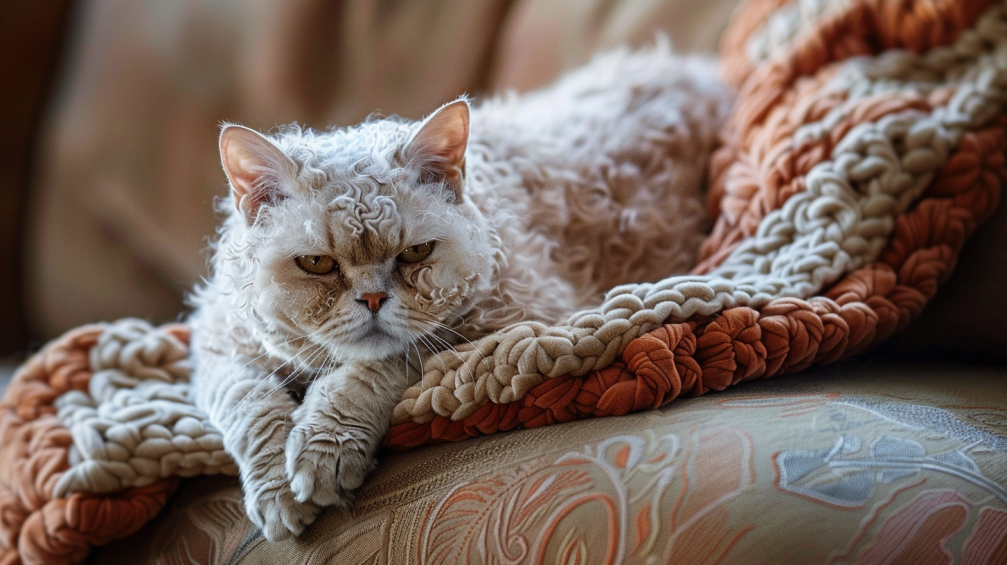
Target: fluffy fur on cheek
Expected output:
[264,292]
[271,300]
[447,283]
[444,287]
[294,304]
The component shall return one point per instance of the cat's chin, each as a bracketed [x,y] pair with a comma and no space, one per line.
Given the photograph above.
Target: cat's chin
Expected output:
[374,345]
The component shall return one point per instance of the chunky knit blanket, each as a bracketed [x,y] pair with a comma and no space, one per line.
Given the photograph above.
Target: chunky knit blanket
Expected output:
[866,146]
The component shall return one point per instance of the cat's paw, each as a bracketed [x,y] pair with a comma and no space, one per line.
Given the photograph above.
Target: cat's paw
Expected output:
[327,462]
[271,506]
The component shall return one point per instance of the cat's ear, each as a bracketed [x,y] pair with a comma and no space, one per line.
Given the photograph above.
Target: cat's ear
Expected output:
[438,147]
[256,167]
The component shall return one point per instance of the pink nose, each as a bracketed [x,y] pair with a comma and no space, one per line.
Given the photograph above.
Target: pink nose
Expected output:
[373,299]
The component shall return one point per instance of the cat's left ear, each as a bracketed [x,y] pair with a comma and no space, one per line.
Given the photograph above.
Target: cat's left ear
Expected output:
[438,147]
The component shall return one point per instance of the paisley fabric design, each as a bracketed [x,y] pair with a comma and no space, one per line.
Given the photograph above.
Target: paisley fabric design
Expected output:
[598,518]
[867,464]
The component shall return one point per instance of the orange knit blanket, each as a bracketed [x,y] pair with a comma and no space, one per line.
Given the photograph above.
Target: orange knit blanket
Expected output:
[897,101]
[794,115]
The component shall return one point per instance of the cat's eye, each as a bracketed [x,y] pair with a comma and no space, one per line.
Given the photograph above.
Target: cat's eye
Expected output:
[416,253]
[316,264]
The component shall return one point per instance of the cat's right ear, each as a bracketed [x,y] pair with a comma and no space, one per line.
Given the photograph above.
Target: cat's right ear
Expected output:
[256,168]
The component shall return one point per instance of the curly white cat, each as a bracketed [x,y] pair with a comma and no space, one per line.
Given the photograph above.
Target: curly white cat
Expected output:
[345,257]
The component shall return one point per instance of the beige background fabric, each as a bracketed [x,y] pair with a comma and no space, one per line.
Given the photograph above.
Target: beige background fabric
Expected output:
[843,464]
[129,167]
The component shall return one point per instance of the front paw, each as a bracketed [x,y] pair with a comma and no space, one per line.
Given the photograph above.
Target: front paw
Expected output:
[326,462]
[271,506]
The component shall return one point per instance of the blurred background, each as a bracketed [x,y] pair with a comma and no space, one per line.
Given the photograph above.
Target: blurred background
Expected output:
[111,111]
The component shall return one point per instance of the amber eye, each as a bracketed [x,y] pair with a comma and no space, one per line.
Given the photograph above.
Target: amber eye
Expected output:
[316,264]
[416,253]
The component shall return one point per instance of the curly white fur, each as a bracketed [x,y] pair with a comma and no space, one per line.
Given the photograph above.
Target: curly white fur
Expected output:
[564,193]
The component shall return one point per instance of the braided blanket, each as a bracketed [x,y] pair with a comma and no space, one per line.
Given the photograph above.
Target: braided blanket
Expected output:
[866,146]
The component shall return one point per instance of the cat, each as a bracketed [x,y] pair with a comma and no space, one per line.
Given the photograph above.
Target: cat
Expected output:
[344,256]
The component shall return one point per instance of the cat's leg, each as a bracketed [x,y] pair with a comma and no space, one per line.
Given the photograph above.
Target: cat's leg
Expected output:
[338,429]
[254,416]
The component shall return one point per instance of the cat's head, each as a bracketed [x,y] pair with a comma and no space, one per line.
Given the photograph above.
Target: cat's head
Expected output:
[362,239]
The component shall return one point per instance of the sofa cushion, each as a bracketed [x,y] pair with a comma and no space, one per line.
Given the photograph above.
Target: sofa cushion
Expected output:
[855,463]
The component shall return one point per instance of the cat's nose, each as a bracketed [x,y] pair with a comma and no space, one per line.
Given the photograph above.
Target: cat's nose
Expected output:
[373,300]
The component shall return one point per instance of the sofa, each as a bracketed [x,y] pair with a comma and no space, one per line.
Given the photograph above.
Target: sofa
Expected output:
[897,455]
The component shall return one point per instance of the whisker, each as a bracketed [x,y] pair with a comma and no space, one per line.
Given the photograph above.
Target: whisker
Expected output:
[460,317]
[460,357]
[433,350]
[423,372]
[467,340]
[444,342]
[266,378]
[405,350]
[263,354]
[295,373]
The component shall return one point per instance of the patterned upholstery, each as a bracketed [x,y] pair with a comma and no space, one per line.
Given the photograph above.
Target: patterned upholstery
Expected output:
[858,463]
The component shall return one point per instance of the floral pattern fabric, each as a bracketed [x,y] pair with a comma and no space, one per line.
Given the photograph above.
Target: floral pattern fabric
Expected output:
[877,464]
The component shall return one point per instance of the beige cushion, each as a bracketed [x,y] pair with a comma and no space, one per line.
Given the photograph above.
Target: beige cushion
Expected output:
[542,38]
[854,463]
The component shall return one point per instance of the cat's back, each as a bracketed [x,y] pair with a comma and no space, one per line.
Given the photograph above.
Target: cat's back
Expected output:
[620,104]
[606,165]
